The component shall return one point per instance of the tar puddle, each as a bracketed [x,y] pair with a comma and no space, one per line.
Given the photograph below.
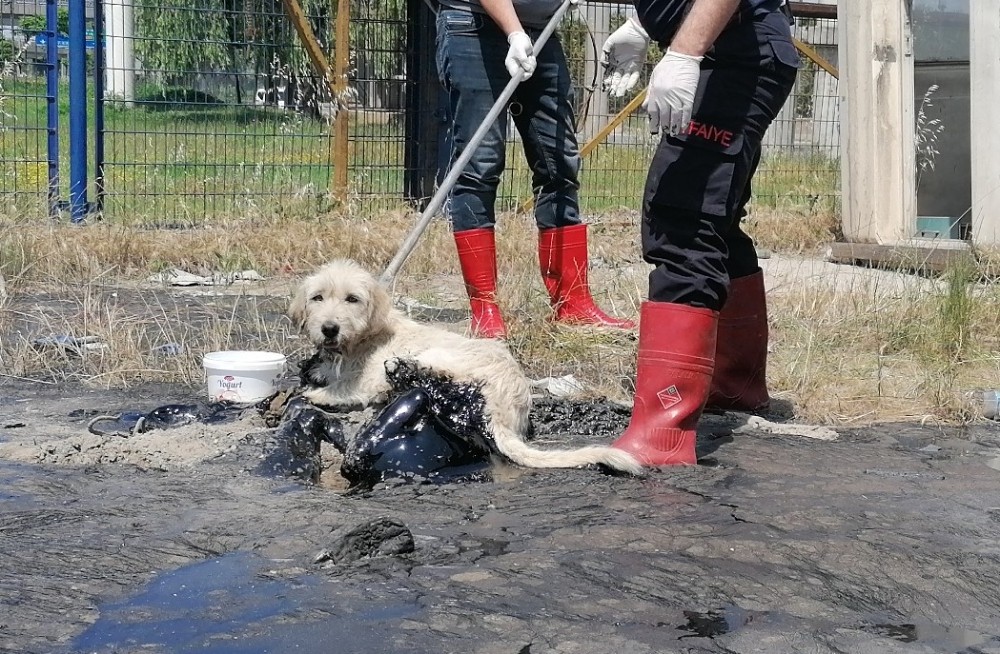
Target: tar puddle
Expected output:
[934,635]
[229,604]
[710,624]
[730,618]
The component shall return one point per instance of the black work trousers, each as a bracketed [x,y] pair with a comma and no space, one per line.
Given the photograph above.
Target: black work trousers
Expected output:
[699,182]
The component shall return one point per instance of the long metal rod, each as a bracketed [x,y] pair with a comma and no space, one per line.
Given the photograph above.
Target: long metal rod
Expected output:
[77,111]
[340,135]
[52,100]
[99,67]
[437,201]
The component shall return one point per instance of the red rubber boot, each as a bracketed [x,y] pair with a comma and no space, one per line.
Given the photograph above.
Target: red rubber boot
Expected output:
[477,255]
[739,382]
[673,374]
[562,257]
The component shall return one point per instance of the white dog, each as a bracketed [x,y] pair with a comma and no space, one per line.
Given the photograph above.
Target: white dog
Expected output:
[350,319]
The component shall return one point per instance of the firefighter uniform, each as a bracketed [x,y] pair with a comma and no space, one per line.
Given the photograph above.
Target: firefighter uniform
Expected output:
[703,331]
[698,184]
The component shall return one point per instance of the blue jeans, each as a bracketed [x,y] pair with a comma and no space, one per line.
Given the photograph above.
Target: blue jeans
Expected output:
[470,61]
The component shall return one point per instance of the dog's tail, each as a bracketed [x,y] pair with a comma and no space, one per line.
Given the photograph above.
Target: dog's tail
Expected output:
[514,448]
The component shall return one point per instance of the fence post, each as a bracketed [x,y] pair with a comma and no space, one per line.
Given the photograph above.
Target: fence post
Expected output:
[876,68]
[99,105]
[984,53]
[341,131]
[77,110]
[422,116]
[119,22]
[52,101]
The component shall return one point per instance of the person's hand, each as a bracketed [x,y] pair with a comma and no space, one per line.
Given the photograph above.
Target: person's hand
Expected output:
[672,88]
[623,56]
[520,56]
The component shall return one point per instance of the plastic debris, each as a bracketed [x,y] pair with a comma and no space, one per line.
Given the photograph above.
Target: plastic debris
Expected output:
[168,350]
[178,277]
[565,386]
[988,401]
[435,429]
[77,345]
[421,311]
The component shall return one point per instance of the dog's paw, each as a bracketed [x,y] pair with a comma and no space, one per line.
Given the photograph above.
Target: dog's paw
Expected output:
[312,371]
[402,370]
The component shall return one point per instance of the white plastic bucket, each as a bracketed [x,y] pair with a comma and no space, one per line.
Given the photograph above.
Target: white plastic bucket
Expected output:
[242,375]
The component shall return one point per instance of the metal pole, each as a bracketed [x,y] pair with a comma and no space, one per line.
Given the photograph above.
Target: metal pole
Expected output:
[470,148]
[52,101]
[119,22]
[77,111]
[99,104]
[422,122]
[341,124]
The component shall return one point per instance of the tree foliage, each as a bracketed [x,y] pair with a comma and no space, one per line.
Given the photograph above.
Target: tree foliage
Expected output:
[177,36]
[6,51]
[36,24]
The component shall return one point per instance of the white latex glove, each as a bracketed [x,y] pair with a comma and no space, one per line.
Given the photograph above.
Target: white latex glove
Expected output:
[672,87]
[623,56]
[520,56]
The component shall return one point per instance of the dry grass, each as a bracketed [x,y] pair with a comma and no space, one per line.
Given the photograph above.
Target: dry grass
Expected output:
[793,231]
[844,351]
[865,352]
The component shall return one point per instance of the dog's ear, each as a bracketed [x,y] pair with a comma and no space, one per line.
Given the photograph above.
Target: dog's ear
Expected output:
[297,307]
[379,308]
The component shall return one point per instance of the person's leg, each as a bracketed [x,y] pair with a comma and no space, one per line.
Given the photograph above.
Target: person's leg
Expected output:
[471,69]
[546,121]
[740,380]
[678,323]
[470,53]
[696,188]
[545,118]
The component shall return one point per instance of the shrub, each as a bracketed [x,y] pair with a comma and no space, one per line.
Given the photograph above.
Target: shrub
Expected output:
[6,51]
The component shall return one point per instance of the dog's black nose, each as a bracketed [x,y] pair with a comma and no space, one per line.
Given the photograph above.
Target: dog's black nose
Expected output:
[331,330]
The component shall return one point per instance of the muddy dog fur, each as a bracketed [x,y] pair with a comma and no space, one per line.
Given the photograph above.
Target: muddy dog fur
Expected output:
[348,316]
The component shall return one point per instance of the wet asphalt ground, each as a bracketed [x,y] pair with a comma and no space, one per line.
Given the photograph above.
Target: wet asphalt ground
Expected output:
[885,540]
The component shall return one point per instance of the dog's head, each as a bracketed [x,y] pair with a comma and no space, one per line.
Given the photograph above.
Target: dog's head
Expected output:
[340,306]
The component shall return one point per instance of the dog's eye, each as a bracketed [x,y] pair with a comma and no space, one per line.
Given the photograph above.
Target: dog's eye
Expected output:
[316,298]
[352,299]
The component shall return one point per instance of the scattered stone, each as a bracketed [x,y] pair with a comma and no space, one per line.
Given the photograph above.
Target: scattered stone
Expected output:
[379,537]
[758,424]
